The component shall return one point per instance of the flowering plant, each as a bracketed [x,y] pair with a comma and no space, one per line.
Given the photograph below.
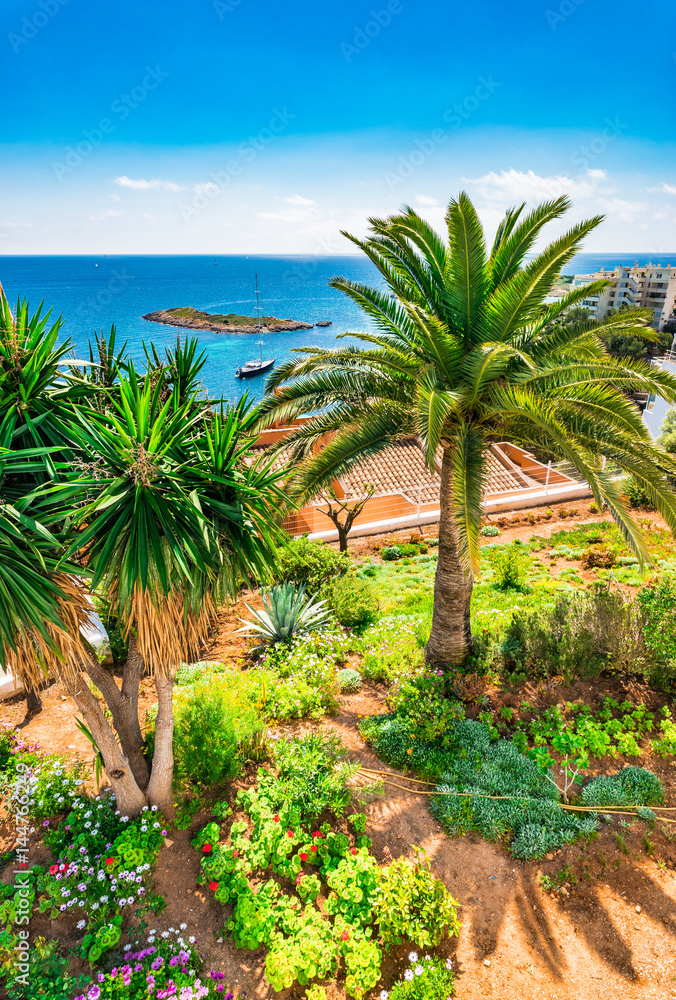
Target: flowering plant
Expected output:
[427,978]
[100,867]
[163,969]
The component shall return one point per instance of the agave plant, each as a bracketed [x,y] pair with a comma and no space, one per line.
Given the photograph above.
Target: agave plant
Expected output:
[287,613]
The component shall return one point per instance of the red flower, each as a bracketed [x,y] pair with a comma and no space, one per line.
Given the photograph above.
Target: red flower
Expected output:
[304,856]
[276,819]
[235,854]
[53,869]
[213,886]
[313,848]
[289,833]
[110,861]
[206,849]
[298,879]
[317,833]
[353,850]
[344,936]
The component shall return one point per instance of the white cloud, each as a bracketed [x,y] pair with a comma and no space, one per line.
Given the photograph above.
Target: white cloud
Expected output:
[515,185]
[17,225]
[297,199]
[663,188]
[141,184]
[425,200]
[207,188]
[288,215]
[597,175]
[107,214]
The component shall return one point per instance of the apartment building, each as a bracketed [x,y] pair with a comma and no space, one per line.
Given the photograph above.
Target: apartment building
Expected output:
[650,286]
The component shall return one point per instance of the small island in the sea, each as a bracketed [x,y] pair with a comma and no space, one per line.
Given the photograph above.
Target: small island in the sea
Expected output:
[192,319]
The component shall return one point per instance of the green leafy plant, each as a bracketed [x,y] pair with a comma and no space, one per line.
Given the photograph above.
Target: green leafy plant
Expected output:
[287,613]
[391,553]
[509,563]
[490,531]
[311,563]
[353,601]
[411,905]
[349,680]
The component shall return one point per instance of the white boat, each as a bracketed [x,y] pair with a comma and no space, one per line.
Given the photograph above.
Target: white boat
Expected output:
[258,365]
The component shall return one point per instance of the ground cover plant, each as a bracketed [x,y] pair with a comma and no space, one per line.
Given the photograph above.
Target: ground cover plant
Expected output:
[282,843]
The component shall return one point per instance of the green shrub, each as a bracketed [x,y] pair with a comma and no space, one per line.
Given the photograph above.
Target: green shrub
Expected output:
[510,565]
[349,680]
[576,634]
[598,555]
[632,786]
[311,563]
[428,978]
[211,723]
[412,905]
[658,604]
[391,552]
[490,530]
[313,771]
[353,601]
[636,495]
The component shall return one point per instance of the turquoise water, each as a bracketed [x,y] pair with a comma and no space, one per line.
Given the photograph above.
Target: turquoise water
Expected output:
[93,292]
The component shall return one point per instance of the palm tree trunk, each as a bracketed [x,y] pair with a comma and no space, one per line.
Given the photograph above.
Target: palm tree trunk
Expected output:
[451,636]
[160,792]
[123,706]
[129,797]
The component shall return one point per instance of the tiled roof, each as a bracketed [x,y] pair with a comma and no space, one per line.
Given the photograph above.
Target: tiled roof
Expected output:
[400,468]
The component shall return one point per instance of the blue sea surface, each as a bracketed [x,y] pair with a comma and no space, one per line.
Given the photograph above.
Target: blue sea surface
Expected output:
[93,292]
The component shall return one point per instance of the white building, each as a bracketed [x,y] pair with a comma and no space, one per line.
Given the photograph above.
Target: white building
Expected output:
[650,286]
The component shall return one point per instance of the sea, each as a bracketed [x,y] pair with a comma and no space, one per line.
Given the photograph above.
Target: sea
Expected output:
[92,292]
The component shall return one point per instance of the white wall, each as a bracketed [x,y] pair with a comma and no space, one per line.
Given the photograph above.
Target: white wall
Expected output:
[656,411]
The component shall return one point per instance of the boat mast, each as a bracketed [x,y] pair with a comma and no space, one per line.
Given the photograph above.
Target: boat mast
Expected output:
[258,313]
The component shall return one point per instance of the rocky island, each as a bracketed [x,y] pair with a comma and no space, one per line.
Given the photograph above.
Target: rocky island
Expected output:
[192,319]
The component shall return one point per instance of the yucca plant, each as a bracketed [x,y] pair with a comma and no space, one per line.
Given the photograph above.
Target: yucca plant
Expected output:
[465,352]
[287,613]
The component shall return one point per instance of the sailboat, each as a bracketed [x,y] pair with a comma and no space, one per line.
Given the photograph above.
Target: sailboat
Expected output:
[257,366]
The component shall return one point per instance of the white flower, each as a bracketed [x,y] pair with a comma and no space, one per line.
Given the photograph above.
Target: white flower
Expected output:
[153,809]
[449,963]
[419,970]
[428,958]
[127,947]
[151,939]
[184,927]
[413,956]
[384,995]
[408,975]
[165,934]
[81,924]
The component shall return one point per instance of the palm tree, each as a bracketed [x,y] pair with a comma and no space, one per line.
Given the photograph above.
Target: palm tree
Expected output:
[466,351]
[171,517]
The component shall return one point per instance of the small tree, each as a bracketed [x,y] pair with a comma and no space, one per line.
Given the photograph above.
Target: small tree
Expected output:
[347,510]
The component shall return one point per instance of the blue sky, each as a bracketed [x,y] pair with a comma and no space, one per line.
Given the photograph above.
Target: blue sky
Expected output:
[251,126]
